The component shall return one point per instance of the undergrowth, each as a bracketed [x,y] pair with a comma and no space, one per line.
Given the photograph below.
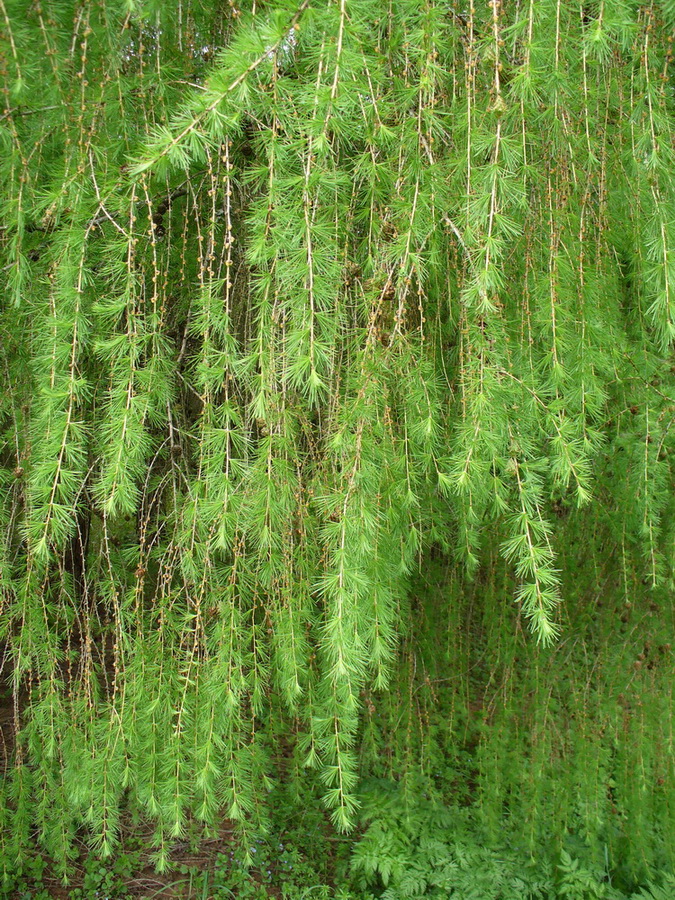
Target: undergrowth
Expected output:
[414,845]
[411,843]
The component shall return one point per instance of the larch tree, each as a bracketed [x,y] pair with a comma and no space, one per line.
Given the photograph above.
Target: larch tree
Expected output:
[298,296]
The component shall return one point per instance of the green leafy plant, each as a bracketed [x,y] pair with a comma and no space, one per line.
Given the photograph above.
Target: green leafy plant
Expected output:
[416,846]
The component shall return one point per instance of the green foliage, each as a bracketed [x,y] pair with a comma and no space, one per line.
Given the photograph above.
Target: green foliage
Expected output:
[299,298]
[415,846]
[563,749]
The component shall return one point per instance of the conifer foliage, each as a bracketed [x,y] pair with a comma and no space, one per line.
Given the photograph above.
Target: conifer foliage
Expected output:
[295,293]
